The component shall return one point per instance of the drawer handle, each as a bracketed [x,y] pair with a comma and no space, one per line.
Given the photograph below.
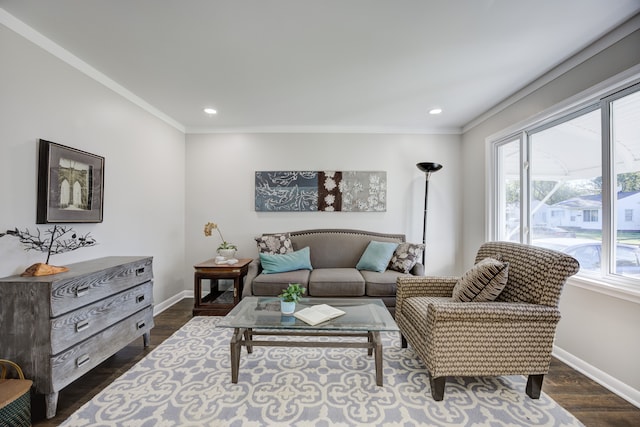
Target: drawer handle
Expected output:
[139,298]
[140,324]
[140,271]
[82,360]
[81,326]
[82,290]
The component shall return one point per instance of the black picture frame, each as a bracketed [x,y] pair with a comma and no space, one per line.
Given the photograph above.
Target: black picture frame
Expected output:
[70,185]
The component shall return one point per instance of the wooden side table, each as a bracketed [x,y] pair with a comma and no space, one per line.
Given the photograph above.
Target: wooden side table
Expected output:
[218,302]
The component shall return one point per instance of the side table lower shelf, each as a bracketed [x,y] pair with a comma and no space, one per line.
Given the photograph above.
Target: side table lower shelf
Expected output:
[215,301]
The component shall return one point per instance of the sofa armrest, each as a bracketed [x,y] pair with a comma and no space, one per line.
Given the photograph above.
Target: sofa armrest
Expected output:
[423,286]
[255,268]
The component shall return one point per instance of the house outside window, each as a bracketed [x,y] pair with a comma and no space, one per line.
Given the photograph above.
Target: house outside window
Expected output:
[569,182]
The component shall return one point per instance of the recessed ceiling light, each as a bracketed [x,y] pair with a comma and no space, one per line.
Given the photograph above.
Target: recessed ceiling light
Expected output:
[210,111]
[435,111]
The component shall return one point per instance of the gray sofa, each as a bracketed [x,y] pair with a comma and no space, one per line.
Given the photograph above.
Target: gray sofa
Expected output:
[334,254]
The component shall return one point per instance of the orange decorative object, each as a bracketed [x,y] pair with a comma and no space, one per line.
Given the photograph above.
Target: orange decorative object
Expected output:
[41,269]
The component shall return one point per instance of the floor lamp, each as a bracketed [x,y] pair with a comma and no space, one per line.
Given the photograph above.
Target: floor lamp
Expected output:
[427,168]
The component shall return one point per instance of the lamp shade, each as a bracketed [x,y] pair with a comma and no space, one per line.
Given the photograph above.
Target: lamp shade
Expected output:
[429,167]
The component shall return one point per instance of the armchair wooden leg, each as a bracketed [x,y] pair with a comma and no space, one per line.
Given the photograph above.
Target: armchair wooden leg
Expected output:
[437,387]
[403,341]
[534,386]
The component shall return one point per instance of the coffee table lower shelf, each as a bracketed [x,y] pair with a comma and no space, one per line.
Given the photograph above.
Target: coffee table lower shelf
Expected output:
[245,337]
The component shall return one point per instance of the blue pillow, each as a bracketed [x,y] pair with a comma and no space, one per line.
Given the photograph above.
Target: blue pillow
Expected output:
[279,263]
[377,256]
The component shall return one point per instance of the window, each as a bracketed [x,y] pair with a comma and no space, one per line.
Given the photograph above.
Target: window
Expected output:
[571,183]
[590,215]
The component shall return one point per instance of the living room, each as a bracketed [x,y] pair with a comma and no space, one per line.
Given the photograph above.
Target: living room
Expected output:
[163,182]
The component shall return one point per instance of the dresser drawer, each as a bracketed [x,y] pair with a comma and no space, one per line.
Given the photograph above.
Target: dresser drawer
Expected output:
[72,328]
[68,295]
[78,360]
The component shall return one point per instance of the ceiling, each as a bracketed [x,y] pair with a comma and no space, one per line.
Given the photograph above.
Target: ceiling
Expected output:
[324,65]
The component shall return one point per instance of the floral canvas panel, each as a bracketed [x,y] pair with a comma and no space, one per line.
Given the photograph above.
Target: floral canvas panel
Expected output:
[287,191]
[329,191]
[330,199]
[364,191]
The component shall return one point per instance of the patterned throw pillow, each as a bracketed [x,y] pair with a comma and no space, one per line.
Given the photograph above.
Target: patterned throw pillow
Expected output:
[278,243]
[483,282]
[406,256]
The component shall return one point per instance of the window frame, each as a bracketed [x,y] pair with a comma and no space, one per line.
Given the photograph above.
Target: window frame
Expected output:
[599,97]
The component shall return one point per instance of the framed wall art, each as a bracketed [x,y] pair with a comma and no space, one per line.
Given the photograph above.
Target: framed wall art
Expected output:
[70,184]
[326,191]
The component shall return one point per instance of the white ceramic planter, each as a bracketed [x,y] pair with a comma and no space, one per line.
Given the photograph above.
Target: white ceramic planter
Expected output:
[227,253]
[287,307]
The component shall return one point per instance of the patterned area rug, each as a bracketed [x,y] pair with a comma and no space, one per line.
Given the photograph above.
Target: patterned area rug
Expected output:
[186,381]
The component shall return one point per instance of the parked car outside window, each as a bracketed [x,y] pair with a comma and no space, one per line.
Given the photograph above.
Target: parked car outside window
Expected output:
[588,252]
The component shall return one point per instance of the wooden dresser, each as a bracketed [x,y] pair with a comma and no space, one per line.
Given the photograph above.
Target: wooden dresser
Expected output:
[59,327]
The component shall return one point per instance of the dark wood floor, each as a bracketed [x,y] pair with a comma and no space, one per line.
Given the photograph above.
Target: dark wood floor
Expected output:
[591,403]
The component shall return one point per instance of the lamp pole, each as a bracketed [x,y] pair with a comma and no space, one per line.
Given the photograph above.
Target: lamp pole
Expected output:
[428,168]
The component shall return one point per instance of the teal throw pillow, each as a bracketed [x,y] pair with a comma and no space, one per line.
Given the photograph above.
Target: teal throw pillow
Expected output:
[279,263]
[377,256]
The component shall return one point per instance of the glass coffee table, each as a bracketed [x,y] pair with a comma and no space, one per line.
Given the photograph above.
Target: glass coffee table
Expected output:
[259,316]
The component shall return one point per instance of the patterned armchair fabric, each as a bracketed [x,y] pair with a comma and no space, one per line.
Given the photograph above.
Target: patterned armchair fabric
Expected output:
[512,335]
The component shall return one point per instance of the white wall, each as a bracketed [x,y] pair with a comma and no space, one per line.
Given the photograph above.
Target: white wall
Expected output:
[220,188]
[43,97]
[606,341]
[148,188]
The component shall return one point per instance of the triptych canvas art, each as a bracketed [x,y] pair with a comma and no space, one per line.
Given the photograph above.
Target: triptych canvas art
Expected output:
[328,191]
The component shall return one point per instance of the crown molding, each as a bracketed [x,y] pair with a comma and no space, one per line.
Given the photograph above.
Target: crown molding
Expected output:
[593,49]
[326,129]
[64,55]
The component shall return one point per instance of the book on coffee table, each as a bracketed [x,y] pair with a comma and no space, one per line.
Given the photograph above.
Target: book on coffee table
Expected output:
[318,314]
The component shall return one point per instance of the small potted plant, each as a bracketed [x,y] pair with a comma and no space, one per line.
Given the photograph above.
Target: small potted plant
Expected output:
[226,249]
[290,296]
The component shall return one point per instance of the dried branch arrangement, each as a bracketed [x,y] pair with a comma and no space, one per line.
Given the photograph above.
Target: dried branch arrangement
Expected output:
[55,240]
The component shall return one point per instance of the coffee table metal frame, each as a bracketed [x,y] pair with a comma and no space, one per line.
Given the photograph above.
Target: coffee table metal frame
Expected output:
[256,316]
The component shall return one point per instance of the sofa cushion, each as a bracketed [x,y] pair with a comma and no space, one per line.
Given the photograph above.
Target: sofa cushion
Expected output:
[406,256]
[277,243]
[483,282]
[377,256]
[336,282]
[380,284]
[273,284]
[280,263]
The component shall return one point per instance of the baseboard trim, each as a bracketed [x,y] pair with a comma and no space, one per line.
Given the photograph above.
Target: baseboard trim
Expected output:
[159,308]
[614,385]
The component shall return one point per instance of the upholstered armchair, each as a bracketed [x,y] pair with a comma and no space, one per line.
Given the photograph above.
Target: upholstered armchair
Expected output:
[511,335]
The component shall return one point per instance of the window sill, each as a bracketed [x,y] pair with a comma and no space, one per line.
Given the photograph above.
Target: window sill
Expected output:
[621,291]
